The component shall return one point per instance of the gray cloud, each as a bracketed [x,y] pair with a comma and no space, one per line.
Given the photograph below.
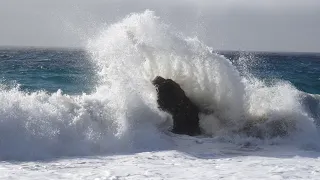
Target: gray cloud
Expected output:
[273,25]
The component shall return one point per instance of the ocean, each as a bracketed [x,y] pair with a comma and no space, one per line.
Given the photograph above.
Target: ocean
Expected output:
[70,70]
[66,112]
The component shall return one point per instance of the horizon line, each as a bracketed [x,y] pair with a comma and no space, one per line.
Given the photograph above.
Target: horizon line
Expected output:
[4,47]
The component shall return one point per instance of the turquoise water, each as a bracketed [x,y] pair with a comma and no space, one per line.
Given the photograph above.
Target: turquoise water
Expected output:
[47,69]
[72,71]
[300,69]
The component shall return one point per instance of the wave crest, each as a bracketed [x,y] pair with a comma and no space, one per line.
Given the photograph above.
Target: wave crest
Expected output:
[122,114]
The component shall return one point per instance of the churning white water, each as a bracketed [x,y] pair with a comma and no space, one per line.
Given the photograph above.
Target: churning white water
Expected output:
[122,115]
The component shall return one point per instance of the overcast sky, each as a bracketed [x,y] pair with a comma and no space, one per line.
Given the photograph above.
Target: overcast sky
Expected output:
[254,25]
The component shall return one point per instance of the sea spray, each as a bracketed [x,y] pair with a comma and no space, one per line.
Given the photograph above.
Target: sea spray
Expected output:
[137,49]
[145,47]
[121,115]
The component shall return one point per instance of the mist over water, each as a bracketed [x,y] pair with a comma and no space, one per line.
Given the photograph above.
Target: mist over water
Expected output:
[121,114]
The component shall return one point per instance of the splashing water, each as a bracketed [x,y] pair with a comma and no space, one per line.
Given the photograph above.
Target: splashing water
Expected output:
[122,113]
[131,53]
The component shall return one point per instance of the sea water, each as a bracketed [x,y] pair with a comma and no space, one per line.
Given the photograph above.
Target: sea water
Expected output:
[100,100]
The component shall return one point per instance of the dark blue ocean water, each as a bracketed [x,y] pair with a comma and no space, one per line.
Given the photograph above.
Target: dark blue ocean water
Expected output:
[72,72]
[47,69]
[301,69]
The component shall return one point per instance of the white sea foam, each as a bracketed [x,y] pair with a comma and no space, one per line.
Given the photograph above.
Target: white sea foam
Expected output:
[122,114]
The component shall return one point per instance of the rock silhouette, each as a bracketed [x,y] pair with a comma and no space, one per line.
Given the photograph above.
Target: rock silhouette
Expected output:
[172,99]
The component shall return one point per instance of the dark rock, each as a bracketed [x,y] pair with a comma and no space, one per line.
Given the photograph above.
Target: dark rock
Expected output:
[172,99]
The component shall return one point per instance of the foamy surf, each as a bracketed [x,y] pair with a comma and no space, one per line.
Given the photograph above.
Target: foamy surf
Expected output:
[122,114]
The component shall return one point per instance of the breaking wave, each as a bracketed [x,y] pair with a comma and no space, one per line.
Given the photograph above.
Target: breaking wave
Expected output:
[122,113]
